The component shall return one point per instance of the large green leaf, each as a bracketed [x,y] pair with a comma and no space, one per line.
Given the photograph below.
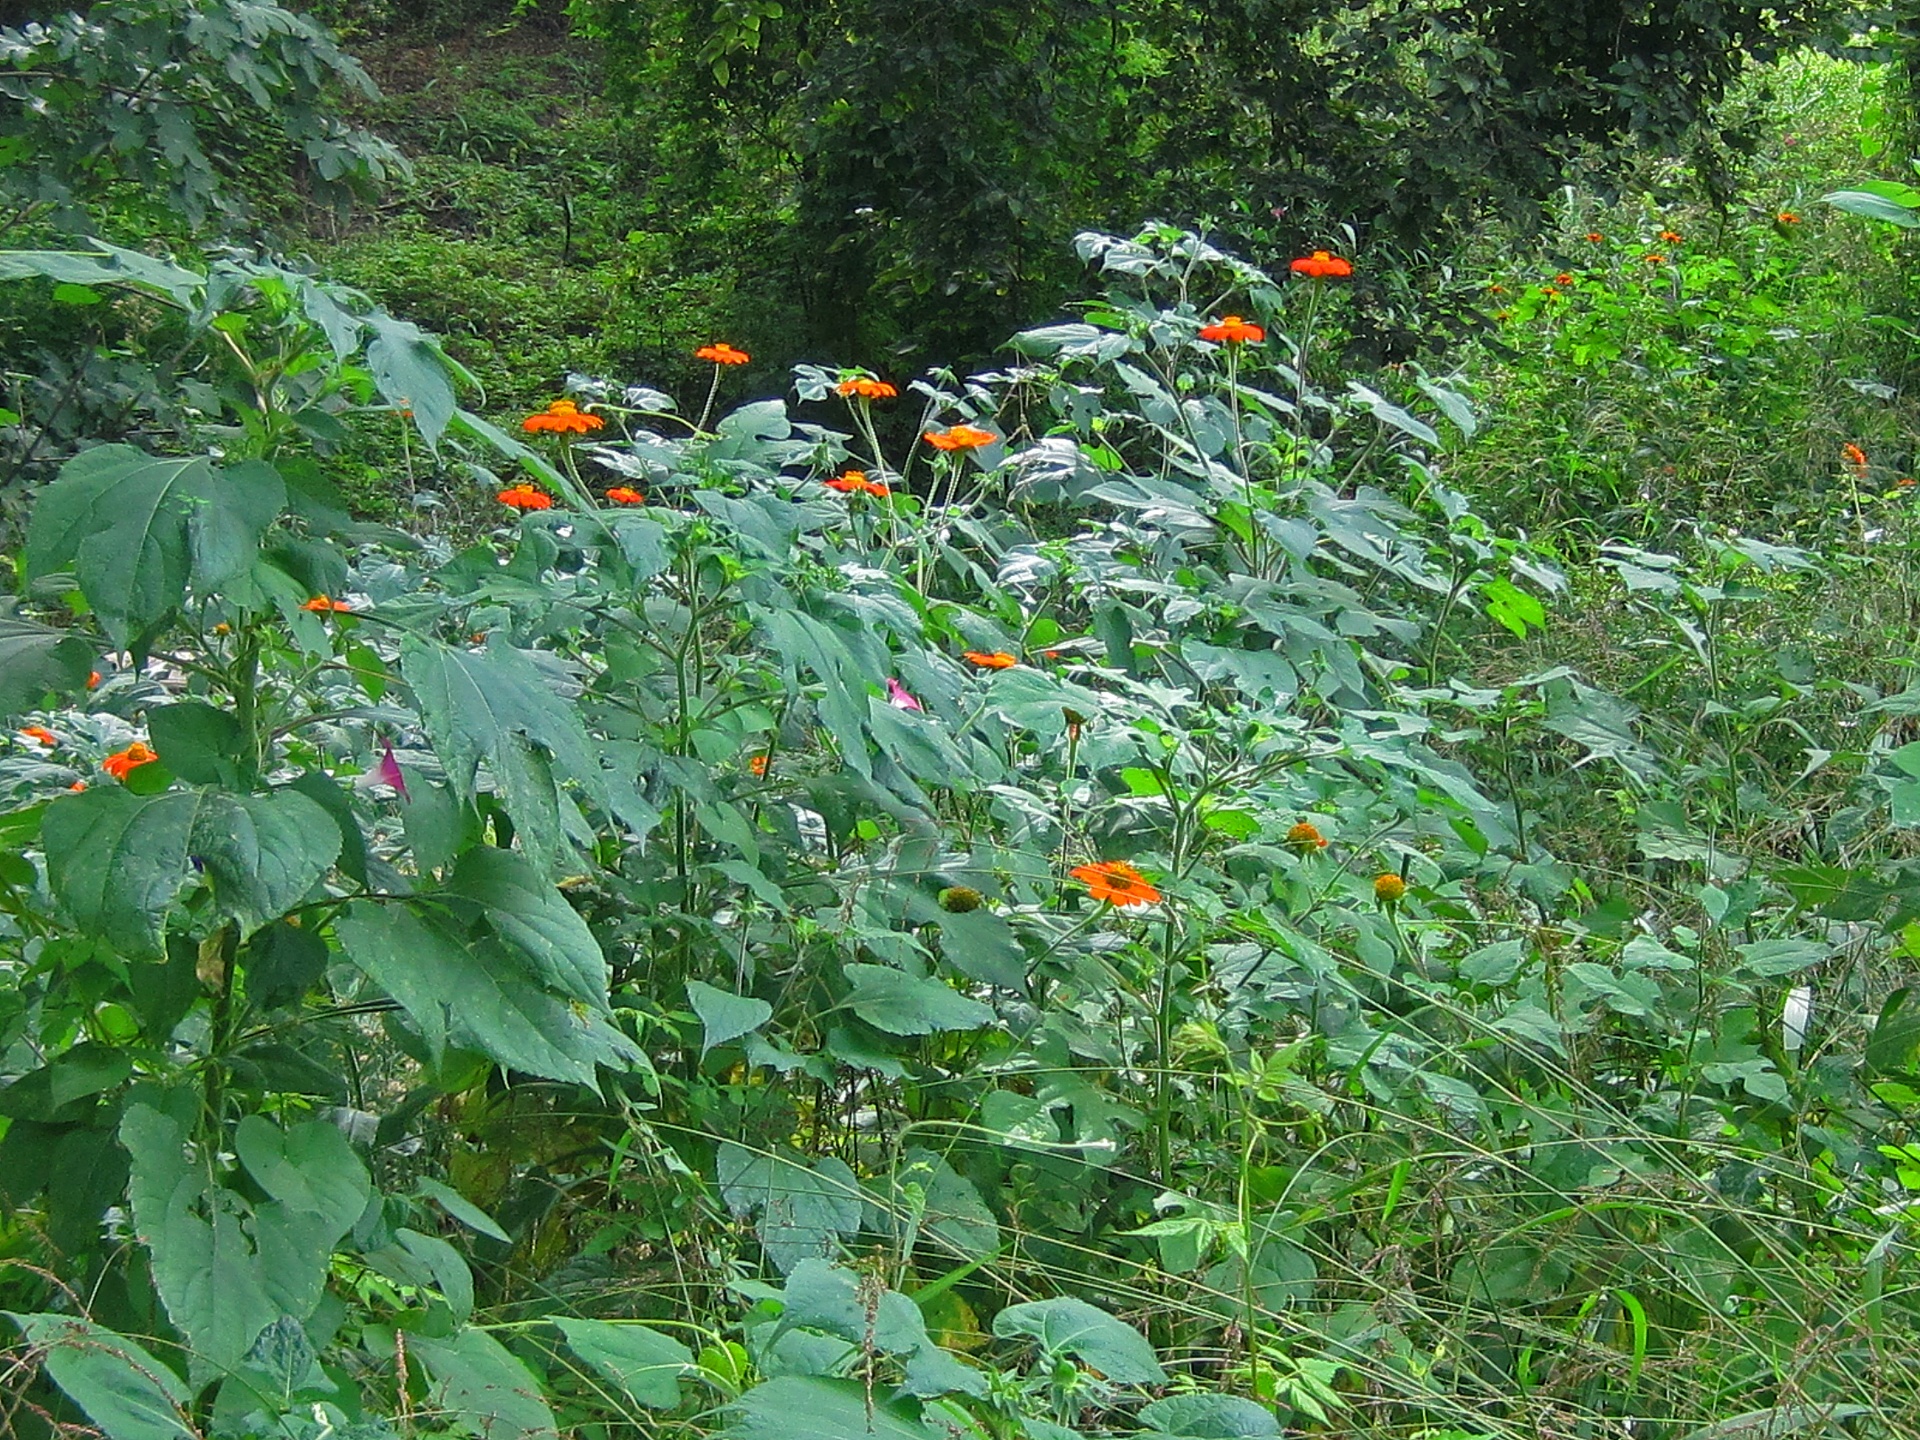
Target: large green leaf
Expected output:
[124,1390]
[35,660]
[480,1386]
[802,1210]
[836,1301]
[105,265]
[310,1169]
[412,372]
[642,1362]
[453,993]
[1873,207]
[116,860]
[535,918]
[496,709]
[1210,1417]
[903,1004]
[949,1205]
[811,1407]
[203,1261]
[1073,1327]
[725,1016]
[135,527]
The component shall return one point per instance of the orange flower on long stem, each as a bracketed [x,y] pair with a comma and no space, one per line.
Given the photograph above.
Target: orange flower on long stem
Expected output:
[856,482]
[989,660]
[960,437]
[1856,460]
[626,495]
[561,417]
[1595,237]
[865,387]
[1786,217]
[1322,265]
[324,605]
[722,354]
[121,762]
[1670,237]
[1389,889]
[1232,330]
[39,734]
[1116,882]
[525,497]
[1305,837]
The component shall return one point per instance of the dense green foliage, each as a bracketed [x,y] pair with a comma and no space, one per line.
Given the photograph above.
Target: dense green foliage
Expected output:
[1188,884]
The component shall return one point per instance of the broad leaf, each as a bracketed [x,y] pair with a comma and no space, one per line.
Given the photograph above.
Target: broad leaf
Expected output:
[811,1407]
[535,918]
[725,1016]
[123,1389]
[454,994]
[802,1211]
[310,1169]
[1073,1327]
[36,660]
[1210,1417]
[903,1004]
[116,860]
[480,1386]
[642,1362]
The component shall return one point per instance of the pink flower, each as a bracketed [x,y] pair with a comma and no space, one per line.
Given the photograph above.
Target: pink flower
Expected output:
[390,771]
[898,697]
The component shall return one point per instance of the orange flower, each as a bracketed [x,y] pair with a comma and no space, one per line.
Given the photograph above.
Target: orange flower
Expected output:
[1786,217]
[121,762]
[960,437]
[1306,837]
[1551,292]
[1565,277]
[989,660]
[1670,237]
[560,417]
[77,786]
[525,497]
[321,605]
[1595,236]
[1496,289]
[1232,330]
[1905,482]
[93,679]
[722,354]
[1388,889]
[758,764]
[626,495]
[866,387]
[39,733]
[1856,460]
[1117,882]
[1653,258]
[856,480]
[1322,265]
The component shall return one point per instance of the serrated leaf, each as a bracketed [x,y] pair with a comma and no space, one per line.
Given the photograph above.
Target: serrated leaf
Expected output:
[479,1385]
[642,1362]
[725,1016]
[811,1407]
[36,660]
[116,860]
[953,1209]
[903,1004]
[534,917]
[123,1389]
[1067,1326]
[453,994]
[1210,1417]
[802,1210]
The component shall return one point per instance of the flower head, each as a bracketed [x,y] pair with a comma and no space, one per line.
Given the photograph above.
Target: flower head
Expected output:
[1232,330]
[1595,237]
[559,418]
[390,772]
[960,437]
[525,497]
[39,734]
[959,899]
[1389,888]
[856,482]
[722,354]
[324,605]
[758,765]
[1855,459]
[989,659]
[121,762]
[900,697]
[865,387]
[626,495]
[1786,217]
[1669,237]
[1653,257]
[1117,882]
[1565,277]
[1322,265]
[1305,837]
[93,680]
